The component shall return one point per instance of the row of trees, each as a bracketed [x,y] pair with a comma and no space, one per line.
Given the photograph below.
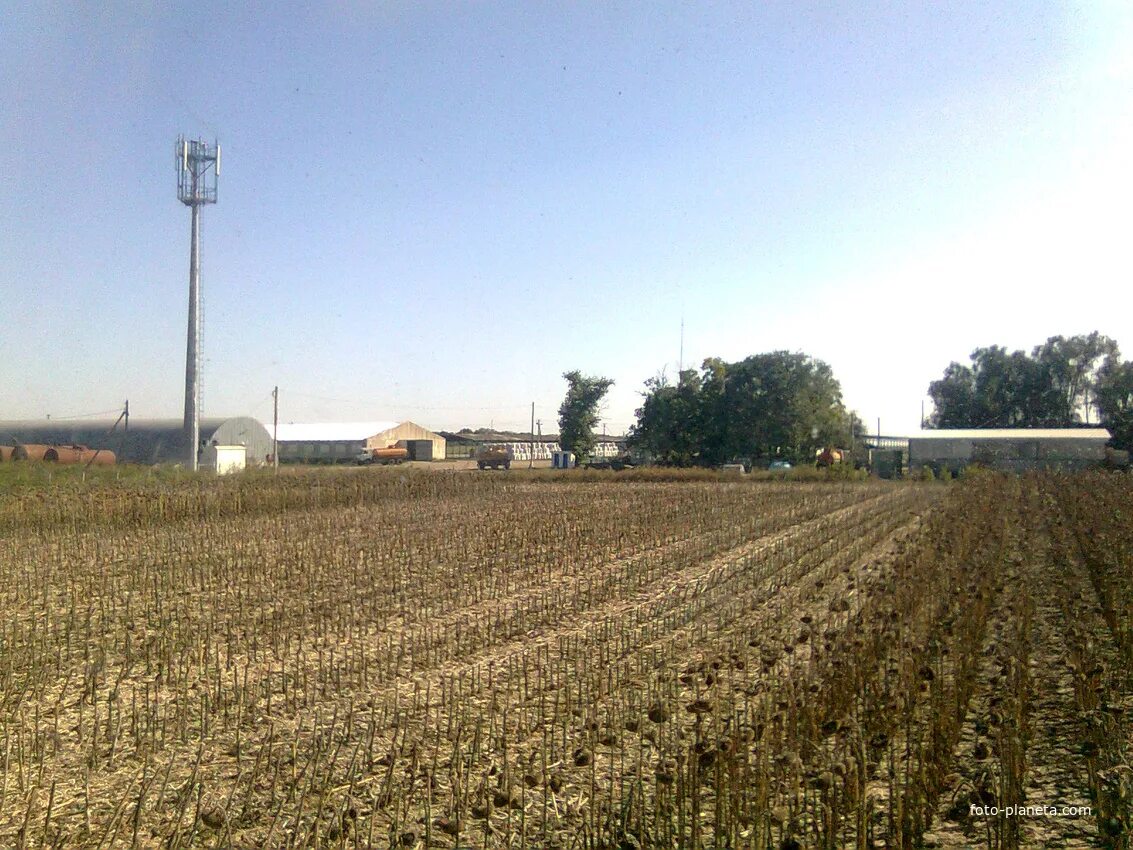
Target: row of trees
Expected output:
[789,405]
[1064,382]
[779,404]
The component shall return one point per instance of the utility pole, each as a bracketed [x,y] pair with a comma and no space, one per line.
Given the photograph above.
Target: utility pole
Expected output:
[531,456]
[275,428]
[124,415]
[125,428]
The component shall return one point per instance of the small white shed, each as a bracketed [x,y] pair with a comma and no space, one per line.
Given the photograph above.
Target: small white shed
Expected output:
[224,459]
[562,460]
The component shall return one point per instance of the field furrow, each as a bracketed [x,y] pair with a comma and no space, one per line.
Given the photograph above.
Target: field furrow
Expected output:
[380,660]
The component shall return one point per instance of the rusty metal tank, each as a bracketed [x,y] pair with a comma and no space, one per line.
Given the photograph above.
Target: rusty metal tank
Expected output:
[63,454]
[98,457]
[78,454]
[29,451]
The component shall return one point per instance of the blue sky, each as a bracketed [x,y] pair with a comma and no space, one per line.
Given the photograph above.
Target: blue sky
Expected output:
[431,211]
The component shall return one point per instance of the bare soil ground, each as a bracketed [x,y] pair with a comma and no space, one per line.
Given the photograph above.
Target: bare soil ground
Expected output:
[531,665]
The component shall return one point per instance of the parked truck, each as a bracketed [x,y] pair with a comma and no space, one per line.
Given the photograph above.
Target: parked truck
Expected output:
[390,454]
[494,457]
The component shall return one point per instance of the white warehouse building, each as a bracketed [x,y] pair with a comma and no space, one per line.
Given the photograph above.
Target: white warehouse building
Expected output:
[340,442]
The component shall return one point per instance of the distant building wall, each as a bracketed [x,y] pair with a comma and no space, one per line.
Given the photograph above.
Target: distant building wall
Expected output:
[458,446]
[320,451]
[1016,450]
[886,463]
[463,445]
[343,442]
[146,441]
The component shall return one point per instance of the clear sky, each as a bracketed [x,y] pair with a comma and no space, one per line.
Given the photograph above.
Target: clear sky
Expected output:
[430,211]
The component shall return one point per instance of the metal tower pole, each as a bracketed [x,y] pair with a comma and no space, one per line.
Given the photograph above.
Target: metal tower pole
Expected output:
[198,167]
[192,352]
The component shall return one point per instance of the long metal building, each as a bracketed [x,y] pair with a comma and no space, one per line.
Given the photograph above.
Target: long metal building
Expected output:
[340,442]
[1009,449]
[148,441]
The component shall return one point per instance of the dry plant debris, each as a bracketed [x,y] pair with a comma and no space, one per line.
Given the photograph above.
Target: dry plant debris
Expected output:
[391,660]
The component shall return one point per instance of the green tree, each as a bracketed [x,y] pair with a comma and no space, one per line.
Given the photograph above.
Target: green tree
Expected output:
[1113,395]
[1068,368]
[668,421]
[578,414]
[953,398]
[1007,393]
[714,413]
[775,404]
[1048,388]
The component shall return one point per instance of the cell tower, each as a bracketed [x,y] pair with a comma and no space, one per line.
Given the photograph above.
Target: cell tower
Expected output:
[198,167]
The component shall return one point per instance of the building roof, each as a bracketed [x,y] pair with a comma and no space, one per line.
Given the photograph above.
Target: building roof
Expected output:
[484,435]
[487,436]
[208,423]
[1014,434]
[315,432]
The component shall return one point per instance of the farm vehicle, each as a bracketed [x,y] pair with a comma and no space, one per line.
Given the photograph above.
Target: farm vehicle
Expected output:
[494,457]
[829,456]
[388,455]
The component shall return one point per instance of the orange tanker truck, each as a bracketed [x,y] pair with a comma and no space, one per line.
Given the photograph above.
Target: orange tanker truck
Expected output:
[388,455]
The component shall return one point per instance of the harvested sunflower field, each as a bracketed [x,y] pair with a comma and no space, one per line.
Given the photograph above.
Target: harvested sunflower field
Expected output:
[428,660]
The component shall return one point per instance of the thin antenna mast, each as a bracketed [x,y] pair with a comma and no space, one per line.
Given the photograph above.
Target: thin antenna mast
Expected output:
[681,358]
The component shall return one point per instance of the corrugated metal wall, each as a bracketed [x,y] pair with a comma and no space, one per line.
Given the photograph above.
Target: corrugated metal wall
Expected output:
[320,451]
[1013,454]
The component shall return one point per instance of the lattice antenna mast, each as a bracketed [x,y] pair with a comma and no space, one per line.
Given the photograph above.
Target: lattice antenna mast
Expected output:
[198,167]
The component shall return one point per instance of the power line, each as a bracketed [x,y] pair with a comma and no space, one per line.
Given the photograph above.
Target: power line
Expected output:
[402,405]
[84,415]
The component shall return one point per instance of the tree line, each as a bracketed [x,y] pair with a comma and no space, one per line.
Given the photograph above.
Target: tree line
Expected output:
[789,405]
[775,405]
[1064,382]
